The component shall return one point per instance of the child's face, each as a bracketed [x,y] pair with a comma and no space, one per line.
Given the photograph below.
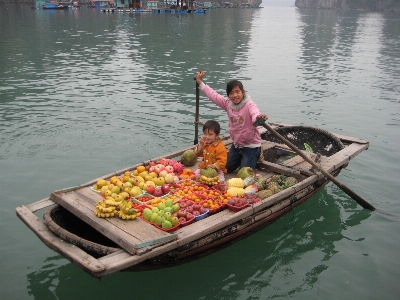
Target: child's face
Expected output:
[209,136]
[236,95]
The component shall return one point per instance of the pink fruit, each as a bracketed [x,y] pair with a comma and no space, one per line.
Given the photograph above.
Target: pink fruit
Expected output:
[196,206]
[150,189]
[165,188]
[178,167]
[158,192]
[196,213]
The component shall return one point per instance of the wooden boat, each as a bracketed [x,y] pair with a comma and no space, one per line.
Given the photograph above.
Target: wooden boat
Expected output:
[104,246]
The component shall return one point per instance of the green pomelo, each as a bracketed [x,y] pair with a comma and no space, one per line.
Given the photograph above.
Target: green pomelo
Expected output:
[245,172]
[189,158]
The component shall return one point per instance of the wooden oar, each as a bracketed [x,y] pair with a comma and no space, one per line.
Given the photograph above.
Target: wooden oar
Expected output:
[196,120]
[357,198]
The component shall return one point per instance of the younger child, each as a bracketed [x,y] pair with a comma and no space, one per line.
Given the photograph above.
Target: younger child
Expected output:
[212,150]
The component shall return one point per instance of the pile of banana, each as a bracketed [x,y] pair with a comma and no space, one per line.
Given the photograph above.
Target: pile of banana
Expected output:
[104,210]
[209,180]
[126,212]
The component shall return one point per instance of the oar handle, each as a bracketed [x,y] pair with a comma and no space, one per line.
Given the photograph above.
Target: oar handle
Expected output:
[344,188]
[196,120]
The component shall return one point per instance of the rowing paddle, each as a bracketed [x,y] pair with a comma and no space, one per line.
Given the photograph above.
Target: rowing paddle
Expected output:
[357,198]
[196,119]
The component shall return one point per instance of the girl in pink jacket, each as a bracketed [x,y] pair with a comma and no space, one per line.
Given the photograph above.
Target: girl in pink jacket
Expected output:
[242,113]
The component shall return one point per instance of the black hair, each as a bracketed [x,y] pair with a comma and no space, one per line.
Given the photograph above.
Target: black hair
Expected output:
[233,83]
[212,125]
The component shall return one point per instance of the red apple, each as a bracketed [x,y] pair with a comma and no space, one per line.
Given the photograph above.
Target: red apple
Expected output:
[190,209]
[182,220]
[202,210]
[181,213]
[196,213]
[196,206]
[150,189]
[158,192]
[165,188]
[182,204]
[189,216]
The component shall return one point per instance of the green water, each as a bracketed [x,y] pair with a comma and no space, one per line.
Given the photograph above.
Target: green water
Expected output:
[85,93]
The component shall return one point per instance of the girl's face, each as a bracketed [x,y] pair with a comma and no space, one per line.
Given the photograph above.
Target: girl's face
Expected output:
[209,136]
[236,95]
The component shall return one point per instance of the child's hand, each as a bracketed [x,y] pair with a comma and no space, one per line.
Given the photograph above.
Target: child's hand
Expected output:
[263,116]
[199,77]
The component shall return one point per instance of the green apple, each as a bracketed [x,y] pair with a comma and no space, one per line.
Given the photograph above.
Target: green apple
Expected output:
[153,217]
[175,207]
[166,224]
[161,206]
[167,216]
[161,212]
[169,203]
[155,209]
[107,193]
[147,213]
[174,221]
[159,220]
[168,209]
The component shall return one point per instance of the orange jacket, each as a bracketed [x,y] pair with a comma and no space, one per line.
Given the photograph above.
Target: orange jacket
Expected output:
[214,154]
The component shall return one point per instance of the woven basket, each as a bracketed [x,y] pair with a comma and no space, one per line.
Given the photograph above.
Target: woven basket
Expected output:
[321,141]
[75,231]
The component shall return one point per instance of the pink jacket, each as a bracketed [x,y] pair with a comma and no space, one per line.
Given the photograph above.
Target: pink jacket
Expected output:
[241,118]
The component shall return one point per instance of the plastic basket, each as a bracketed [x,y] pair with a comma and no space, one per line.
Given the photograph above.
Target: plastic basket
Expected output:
[237,208]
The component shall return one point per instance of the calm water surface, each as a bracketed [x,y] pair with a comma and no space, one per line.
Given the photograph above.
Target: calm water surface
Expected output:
[85,93]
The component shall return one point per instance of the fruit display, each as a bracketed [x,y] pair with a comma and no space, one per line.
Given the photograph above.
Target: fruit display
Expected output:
[167,195]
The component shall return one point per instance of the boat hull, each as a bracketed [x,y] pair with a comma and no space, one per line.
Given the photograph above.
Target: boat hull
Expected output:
[100,258]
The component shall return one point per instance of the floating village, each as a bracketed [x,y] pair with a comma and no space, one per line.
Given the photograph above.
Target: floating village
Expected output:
[139,6]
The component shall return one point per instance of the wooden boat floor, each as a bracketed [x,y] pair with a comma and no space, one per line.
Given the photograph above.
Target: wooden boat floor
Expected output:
[129,234]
